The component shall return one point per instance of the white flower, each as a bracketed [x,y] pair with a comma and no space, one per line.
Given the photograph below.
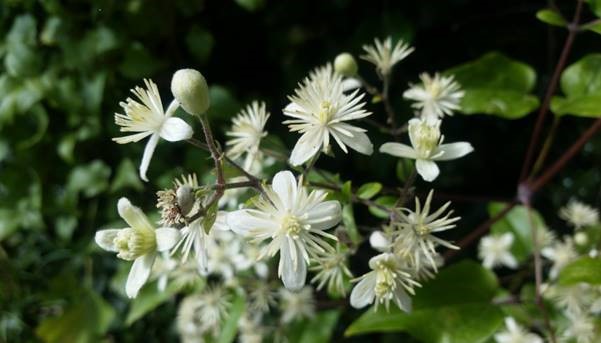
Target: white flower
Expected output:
[202,313]
[293,221]
[415,239]
[384,56]
[246,132]
[579,214]
[561,253]
[250,329]
[139,242]
[582,328]
[573,298]
[427,148]
[297,305]
[380,241]
[194,237]
[147,118]
[320,109]
[332,270]
[516,334]
[436,96]
[386,282]
[494,250]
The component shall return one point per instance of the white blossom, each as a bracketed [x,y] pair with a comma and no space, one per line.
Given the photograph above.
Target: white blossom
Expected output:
[332,270]
[387,281]
[384,56]
[427,148]
[146,117]
[579,214]
[248,128]
[140,242]
[294,221]
[494,250]
[516,334]
[414,239]
[436,96]
[320,109]
[296,305]
[202,313]
[561,253]
[581,328]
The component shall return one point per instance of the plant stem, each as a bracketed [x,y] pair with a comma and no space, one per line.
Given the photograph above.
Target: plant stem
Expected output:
[216,156]
[538,273]
[546,146]
[572,30]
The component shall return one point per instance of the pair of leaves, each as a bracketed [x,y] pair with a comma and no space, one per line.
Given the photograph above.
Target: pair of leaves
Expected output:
[454,307]
[497,85]
[584,269]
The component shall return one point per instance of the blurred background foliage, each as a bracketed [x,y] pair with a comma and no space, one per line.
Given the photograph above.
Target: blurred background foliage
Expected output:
[67,64]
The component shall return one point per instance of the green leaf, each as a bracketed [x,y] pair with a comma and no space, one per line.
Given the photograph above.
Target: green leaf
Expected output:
[581,84]
[516,222]
[551,17]
[595,6]
[584,269]
[230,328]
[139,62]
[209,219]
[497,85]
[126,177]
[348,219]
[200,43]
[320,328]
[347,191]
[387,201]
[85,320]
[90,179]
[594,26]
[223,103]
[369,190]
[251,5]
[447,309]
[149,298]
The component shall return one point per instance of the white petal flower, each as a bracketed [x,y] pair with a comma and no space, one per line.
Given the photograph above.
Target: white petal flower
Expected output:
[427,147]
[561,253]
[332,270]
[202,313]
[387,281]
[246,132]
[297,305]
[146,117]
[436,96]
[516,334]
[139,242]
[582,328]
[414,239]
[579,214]
[293,221]
[494,250]
[384,56]
[380,241]
[320,109]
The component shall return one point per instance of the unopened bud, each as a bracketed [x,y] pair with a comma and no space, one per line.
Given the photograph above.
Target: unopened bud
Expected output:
[581,238]
[345,64]
[185,199]
[190,89]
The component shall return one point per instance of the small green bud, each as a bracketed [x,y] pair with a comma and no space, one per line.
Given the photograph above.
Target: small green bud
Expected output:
[345,64]
[190,89]
[581,238]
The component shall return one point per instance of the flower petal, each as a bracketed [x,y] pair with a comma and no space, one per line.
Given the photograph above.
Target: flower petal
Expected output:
[402,299]
[324,215]
[285,186]
[243,221]
[105,238]
[292,272]
[452,151]
[132,215]
[350,83]
[359,142]
[364,292]
[148,152]
[378,241]
[427,169]
[306,147]
[138,275]
[398,150]
[175,129]
[167,238]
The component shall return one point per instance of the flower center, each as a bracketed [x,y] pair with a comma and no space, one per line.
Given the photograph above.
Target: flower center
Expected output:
[385,279]
[326,111]
[422,229]
[132,243]
[426,138]
[292,226]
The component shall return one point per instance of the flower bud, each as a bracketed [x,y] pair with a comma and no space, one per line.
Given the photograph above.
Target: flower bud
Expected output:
[190,89]
[345,64]
[581,238]
[185,199]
